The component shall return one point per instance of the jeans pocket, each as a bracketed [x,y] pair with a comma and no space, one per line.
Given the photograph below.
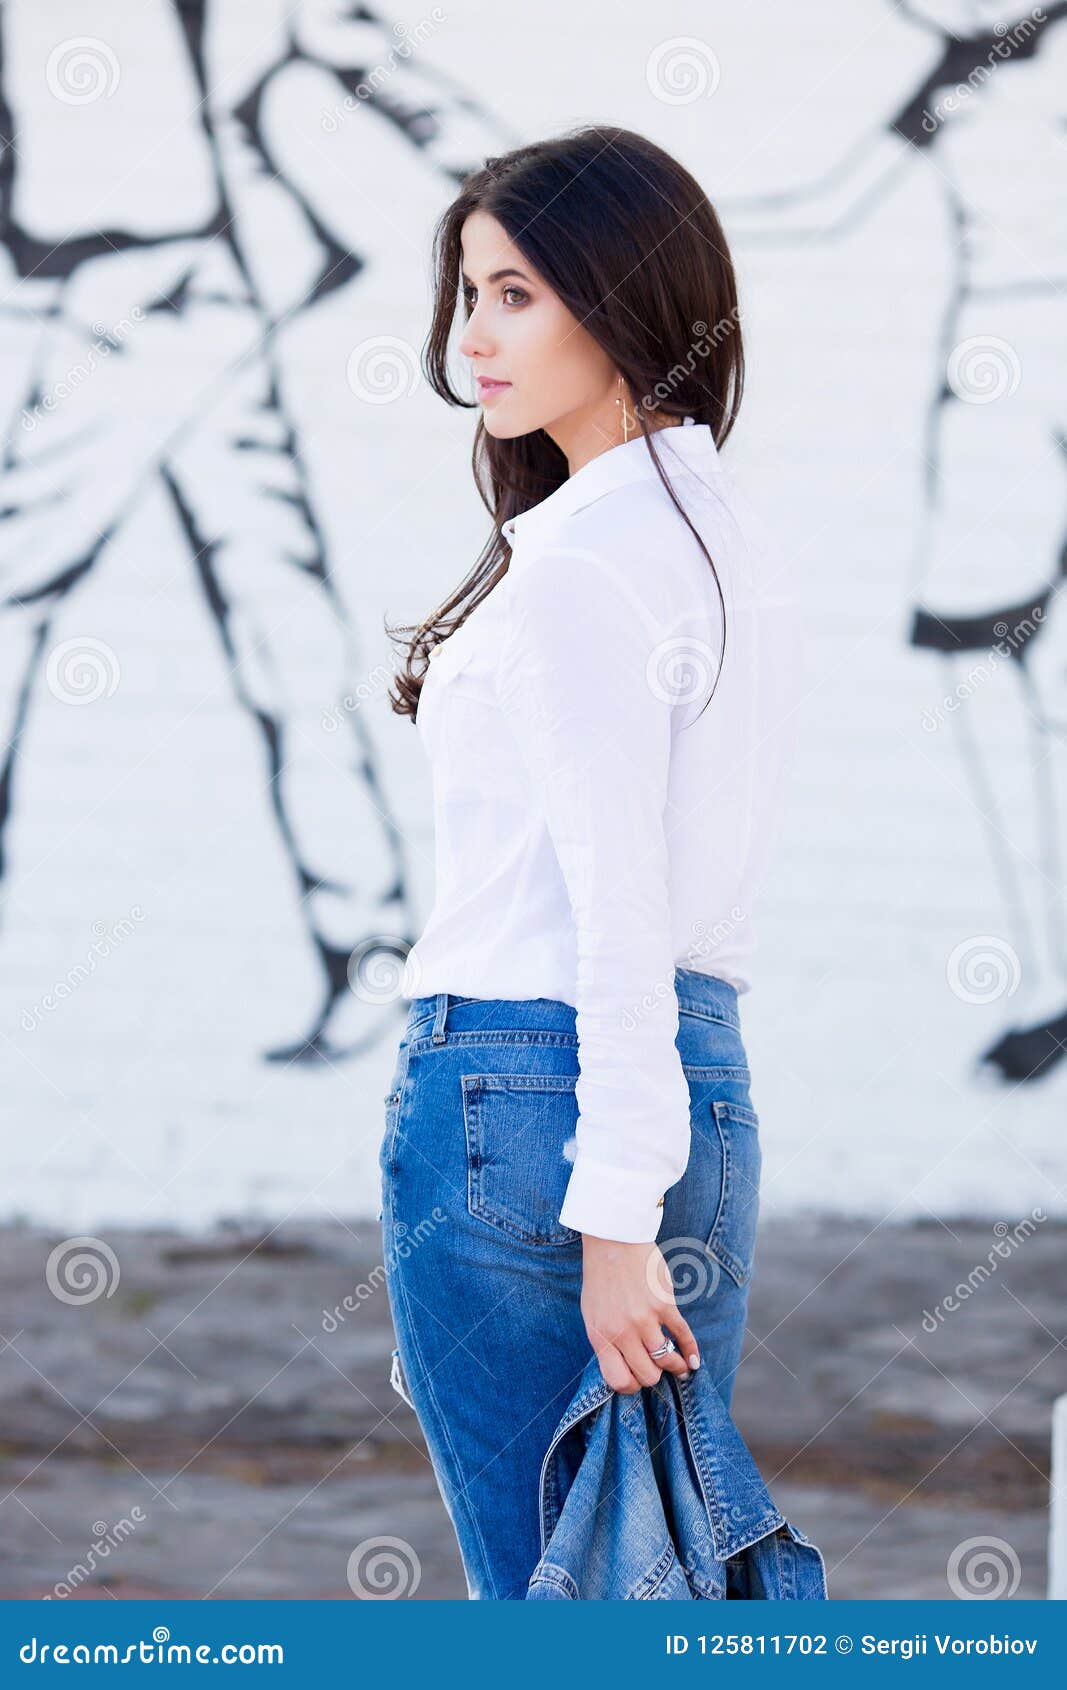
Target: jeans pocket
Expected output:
[735,1140]
[520,1131]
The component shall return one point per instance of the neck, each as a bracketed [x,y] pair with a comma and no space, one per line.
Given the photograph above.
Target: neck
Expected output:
[583,439]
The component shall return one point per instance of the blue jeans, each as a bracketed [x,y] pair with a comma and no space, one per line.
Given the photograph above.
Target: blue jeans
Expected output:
[484,1283]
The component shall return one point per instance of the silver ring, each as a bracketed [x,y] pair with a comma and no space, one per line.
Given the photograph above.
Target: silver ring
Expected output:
[663,1349]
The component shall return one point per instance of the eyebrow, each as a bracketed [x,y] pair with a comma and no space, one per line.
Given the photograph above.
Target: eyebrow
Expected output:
[494,276]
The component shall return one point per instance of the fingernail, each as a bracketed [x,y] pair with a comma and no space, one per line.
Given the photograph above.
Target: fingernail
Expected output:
[694,1361]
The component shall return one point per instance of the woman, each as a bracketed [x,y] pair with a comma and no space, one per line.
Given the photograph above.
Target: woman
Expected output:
[605,704]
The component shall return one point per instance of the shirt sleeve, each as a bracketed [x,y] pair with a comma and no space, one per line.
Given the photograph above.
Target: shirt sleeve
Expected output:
[578,683]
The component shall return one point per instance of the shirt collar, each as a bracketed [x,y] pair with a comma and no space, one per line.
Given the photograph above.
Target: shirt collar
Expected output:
[691,446]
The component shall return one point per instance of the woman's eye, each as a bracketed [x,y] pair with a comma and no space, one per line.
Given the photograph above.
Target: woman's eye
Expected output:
[469,291]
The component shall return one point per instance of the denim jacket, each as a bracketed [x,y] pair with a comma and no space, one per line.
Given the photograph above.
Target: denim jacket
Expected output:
[654,1496]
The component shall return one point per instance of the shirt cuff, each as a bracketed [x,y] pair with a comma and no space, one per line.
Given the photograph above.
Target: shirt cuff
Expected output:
[612,1202]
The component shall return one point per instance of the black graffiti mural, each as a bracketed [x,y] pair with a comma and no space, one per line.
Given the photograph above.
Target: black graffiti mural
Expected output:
[990,120]
[182,305]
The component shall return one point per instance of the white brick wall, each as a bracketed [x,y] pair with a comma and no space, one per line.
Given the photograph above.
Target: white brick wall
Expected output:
[143,1093]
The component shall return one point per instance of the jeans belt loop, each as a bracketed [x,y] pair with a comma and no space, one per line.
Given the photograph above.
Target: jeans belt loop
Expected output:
[440,1019]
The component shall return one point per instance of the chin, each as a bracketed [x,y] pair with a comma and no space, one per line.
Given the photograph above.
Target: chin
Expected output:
[500,429]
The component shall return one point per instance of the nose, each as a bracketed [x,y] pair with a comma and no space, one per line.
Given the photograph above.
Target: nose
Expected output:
[475,341]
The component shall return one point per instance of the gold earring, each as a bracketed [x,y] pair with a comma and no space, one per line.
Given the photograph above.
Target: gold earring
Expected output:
[625,414]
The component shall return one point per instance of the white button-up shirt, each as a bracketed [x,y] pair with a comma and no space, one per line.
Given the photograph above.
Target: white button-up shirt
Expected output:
[594,829]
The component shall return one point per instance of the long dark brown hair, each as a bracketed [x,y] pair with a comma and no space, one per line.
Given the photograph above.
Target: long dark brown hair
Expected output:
[627,239]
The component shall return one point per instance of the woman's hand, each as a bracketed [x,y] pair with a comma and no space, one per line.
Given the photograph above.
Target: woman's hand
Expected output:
[627,1298]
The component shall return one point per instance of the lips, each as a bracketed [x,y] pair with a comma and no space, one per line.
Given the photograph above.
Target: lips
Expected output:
[487,388]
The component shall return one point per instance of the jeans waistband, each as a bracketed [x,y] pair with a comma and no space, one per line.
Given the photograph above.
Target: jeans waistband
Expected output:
[697,993]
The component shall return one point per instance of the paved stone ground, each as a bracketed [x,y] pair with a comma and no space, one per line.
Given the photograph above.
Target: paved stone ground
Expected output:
[200,1433]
